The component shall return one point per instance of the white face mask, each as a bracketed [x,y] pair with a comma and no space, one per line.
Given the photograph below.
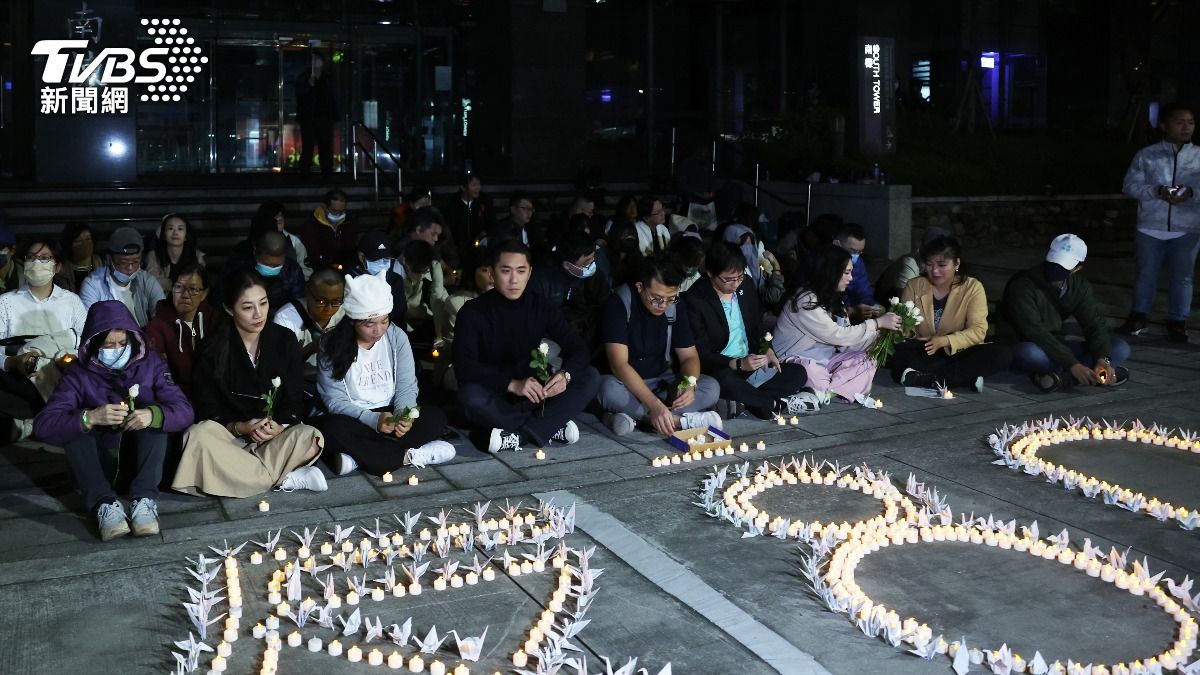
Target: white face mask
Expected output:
[335,218]
[39,272]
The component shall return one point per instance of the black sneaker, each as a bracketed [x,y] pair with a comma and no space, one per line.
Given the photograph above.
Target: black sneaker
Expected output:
[915,378]
[1177,332]
[1046,382]
[568,435]
[1134,325]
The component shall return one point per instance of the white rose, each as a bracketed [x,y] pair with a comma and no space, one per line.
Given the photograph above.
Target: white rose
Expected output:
[909,304]
[543,349]
[894,301]
[691,380]
[768,337]
[275,382]
[133,391]
[414,413]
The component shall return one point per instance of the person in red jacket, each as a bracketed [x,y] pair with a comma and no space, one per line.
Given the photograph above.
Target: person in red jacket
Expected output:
[118,394]
[181,321]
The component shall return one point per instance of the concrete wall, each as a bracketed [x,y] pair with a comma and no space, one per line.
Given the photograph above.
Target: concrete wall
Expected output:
[1027,220]
[884,211]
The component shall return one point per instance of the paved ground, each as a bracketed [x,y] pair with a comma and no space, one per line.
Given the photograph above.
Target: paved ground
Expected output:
[677,585]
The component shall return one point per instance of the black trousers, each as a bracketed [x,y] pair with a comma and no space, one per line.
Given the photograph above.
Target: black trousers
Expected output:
[19,399]
[378,453]
[317,134]
[761,400]
[960,370]
[91,465]
[486,410]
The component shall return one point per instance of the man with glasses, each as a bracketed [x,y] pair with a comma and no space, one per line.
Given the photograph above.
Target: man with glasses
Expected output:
[519,223]
[317,315]
[726,319]
[182,321]
[122,278]
[646,329]
[573,281]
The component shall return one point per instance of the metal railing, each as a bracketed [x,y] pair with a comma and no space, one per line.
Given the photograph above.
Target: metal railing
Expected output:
[372,154]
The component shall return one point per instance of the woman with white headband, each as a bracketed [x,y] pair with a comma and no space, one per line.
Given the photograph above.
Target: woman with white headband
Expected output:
[367,379]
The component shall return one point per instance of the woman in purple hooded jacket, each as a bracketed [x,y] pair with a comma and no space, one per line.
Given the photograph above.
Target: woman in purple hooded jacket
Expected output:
[118,389]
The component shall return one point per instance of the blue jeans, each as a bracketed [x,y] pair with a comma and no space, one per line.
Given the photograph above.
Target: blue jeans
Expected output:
[1180,257]
[1028,357]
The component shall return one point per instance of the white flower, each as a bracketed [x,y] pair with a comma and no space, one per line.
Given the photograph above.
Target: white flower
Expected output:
[133,391]
[691,380]
[894,301]
[909,304]
[414,413]
[275,382]
[543,349]
[768,337]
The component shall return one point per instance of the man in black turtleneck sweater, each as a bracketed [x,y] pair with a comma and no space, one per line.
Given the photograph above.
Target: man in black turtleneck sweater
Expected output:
[494,338]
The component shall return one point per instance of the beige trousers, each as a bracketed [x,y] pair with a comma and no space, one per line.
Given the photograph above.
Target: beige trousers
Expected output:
[215,462]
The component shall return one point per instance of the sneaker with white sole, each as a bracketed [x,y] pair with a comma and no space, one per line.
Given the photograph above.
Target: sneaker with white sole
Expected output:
[503,440]
[144,517]
[341,464]
[567,435]
[304,478]
[112,521]
[433,452]
[620,423]
[700,420]
[802,403]
[977,385]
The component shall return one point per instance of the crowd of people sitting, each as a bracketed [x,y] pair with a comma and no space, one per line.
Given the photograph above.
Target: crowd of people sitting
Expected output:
[359,348]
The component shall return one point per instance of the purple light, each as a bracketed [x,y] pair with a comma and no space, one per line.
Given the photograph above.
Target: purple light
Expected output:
[606,95]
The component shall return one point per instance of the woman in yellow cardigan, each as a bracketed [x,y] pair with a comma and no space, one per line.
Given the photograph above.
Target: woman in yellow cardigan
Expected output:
[950,346]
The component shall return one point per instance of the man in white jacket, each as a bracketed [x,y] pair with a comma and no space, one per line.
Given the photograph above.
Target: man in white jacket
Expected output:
[1164,178]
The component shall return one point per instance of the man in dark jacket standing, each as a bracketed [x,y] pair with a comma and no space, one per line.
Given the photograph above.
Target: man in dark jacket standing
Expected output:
[1037,303]
[316,111]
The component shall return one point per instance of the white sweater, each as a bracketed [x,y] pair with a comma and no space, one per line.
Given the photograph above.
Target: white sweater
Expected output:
[815,335]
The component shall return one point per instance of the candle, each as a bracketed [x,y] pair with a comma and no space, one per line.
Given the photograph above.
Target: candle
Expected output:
[412,480]
[258,631]
[527,567]
[375,658]
[781,421]
[456,581]
[347,546]
[439,584]
[232,623]
[274,598]
[520,659]
[762,445]
[314,644]
[280,554]
[352,598]
[294,639]
[224,649]
[263,506]
[489,574]
[218,664]
[437,668]
[657,462]
[416,664]
[795,420]
[354,654]
[387,476]
[744,447]
[462,669]
[256,558]
[303,552]
[514,570]
[230,635]
[540,454]
[335,648]
[272,622]
[414,588]
[334,601]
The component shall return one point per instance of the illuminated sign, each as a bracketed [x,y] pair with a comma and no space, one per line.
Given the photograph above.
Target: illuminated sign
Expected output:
[875,107]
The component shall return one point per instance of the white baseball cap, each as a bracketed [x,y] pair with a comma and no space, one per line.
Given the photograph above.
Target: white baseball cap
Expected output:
[1067,251]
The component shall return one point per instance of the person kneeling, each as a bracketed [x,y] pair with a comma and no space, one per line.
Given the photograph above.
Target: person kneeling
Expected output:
[367,379]
[250,398]
[119,391]
[495,337]
[641,326]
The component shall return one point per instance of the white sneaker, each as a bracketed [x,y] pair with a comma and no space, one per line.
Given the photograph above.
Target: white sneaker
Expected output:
[620,423]
[111,519]
[503,440]
[433,452]
[144,517]
[23,429]
[804,402]
[568,435]
[304,478]
[343,464]
[700,420]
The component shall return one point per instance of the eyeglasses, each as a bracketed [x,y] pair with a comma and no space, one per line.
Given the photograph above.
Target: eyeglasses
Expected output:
[187,290]
[732,281]
[659,301]
[133,263]
[41,258]
[329,304]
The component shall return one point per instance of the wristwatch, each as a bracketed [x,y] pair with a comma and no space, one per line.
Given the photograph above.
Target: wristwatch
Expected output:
[567,375]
